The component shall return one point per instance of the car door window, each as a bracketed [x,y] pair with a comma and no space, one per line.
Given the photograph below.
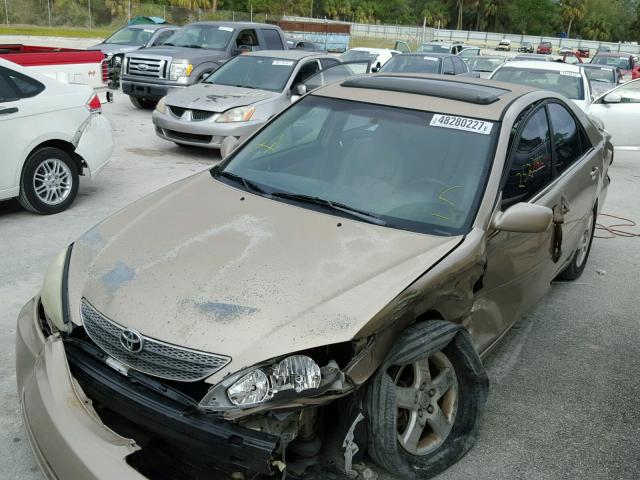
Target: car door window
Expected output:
[23,86]
[306,70]
[447,66]
[7,93]
[328,62]
[272,40]
[459,66]
[163,37]
[530,163]
[569,143]
[247,38]
[629,92]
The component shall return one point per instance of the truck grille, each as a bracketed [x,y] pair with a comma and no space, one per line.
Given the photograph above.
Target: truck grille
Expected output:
[147,67]
[156,358]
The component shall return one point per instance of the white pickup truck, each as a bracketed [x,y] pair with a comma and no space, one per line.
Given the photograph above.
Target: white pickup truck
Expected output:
[68,65]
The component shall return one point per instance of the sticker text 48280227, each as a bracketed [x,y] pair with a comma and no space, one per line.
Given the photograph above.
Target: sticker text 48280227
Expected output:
[461,123]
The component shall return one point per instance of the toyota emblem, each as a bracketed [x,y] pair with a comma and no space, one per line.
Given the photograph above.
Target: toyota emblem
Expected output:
[131,340]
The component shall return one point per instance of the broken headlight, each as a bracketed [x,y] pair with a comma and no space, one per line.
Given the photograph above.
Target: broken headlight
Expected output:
[297,372]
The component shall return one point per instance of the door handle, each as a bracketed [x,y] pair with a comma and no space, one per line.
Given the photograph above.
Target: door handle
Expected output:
[594,173]
[6,111]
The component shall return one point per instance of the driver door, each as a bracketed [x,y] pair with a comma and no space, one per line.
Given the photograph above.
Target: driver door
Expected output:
[619,110]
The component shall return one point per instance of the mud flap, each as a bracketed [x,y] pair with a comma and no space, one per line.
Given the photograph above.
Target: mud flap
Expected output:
[418,341]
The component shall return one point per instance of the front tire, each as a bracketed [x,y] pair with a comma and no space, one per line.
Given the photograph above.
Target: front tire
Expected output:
[49,181]
[143,103]
[425,404]
[574,270]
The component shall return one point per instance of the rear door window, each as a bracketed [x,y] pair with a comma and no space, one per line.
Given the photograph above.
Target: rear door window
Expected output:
[272,40]
[530,165]
[23,86]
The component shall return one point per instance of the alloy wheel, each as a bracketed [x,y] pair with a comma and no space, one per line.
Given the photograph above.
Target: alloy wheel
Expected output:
[52,181]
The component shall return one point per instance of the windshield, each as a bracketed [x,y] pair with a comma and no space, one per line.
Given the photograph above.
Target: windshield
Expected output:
[613,61]
[433,47]
[412,64]
[262,73]
[568,84]
[483,64]
[211,37]
[131,36]
[406,169]
[601,74]
[355,55]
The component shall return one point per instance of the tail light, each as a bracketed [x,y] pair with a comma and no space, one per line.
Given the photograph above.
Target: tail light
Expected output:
[105,71]
[94,105]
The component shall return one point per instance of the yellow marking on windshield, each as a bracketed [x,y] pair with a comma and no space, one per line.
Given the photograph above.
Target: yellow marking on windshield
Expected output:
[449,203]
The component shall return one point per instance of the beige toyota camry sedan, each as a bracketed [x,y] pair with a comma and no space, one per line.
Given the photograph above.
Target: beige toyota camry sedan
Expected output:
[323,297]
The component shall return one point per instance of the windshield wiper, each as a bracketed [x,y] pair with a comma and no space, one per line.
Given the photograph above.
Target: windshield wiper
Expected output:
[170,44]
[245,86]
[341,207]
[192,46]
[248,185]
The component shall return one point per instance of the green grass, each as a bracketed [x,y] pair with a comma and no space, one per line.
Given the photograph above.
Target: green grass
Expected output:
[55,31]
[375,43]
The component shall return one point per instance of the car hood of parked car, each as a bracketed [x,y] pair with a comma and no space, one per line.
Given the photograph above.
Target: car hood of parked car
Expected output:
[196,56]
[113,48]
[216,98]
[208,266]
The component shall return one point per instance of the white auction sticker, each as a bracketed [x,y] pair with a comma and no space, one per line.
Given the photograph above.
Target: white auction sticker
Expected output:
[570,74]
[226,29]
[431,59]
[461,123]
[283,63]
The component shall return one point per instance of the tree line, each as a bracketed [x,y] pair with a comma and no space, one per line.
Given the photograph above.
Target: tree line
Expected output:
[605,20]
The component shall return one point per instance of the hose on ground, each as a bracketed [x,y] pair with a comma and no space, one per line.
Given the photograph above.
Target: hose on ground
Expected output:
[614,230]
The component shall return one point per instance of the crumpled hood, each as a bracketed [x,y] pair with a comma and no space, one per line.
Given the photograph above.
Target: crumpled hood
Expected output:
[112,48]
[216,98]
[206,266]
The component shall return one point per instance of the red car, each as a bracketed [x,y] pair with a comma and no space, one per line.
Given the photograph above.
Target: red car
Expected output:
[583,52]
[544,48]
[624,62]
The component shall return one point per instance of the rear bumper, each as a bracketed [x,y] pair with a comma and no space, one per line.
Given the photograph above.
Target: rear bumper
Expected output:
[71,442]
[208,134]
[66,435]
[96,143]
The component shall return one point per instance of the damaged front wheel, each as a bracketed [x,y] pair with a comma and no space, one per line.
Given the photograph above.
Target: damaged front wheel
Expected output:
[425,403]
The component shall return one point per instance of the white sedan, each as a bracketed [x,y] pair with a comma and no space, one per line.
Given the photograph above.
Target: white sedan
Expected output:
[562,78]
[619,111]
[376,56]
[51,133]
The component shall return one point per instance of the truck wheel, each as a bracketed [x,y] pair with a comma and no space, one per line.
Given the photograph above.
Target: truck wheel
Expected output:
[580,256]
[424,405]
[143,103]
[49,181]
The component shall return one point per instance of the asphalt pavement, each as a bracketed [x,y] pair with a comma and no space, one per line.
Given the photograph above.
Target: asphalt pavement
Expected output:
[564,383]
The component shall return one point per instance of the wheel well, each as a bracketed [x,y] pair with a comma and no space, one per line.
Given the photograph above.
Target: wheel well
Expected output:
[65,147]
[429,315]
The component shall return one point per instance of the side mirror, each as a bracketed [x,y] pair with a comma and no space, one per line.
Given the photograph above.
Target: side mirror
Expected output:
[524,218]
[612,98]
[229,144]
[300,89]
[375,69]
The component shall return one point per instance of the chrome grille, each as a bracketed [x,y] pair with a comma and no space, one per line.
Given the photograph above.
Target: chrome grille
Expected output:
[156,358]
[146,67]
[199,115]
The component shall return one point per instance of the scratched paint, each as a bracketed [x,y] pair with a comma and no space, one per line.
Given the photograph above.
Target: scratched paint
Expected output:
[225,311]
[120,274]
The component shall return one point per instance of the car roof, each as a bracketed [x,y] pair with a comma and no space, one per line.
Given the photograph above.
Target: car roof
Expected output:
[295,54]
[613,54]
[598,66]
[150,26]
[538,65]
[368,49]
[235,24]
[430,93]
[500,57]
[426,54]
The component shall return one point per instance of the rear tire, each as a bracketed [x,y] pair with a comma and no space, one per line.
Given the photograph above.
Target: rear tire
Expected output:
[574,270]
[444,403]
[143,103]
[49,181]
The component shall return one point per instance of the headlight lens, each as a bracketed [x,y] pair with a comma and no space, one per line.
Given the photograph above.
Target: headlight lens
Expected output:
[51,291]
[161,107]
[297,372]
[178,70]
[239,114]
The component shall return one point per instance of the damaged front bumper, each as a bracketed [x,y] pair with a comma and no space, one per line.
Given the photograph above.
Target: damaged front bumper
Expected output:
[70,440]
